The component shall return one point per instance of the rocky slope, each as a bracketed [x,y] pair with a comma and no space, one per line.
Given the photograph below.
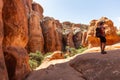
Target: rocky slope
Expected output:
[87,66]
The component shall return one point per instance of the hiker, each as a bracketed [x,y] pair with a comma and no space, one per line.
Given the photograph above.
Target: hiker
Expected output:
[102,37]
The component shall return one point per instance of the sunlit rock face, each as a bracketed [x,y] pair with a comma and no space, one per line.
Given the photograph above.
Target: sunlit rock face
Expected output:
[36,40]
[38,8]
[110,31]
[51,38]
[3,71]
[15,24]
[56,55]
[28,5]
[15,39]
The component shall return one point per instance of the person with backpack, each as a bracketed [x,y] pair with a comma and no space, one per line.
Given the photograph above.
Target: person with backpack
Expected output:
[100,33]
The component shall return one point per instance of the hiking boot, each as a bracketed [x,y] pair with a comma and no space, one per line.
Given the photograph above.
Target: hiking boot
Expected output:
[103,52]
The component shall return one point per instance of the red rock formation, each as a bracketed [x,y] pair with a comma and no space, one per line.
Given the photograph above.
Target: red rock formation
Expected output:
[3,71]
[74,34]
[38,8]
[28,5]
[84,36]
[70,40]
[17,62]
[15,24]
[50,34]
[110,31]
[58,35]
[15,39]
[56,55]
[77,37]
[36,40]
[68,34]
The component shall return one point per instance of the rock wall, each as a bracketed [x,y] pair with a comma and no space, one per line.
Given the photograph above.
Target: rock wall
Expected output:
[15,24]
[110,31]
[51,39]
[36,40]
[68,34]
[59,36]
[3,71]
[15,39]
[28,6]
[73,34]
[38,8]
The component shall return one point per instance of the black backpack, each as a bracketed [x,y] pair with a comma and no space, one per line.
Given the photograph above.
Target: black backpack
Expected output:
[98,32]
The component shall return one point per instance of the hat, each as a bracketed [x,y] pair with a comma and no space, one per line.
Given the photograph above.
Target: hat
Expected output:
[101,22]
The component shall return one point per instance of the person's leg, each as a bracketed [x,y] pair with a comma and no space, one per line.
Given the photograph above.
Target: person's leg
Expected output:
[102,45]
[103,48]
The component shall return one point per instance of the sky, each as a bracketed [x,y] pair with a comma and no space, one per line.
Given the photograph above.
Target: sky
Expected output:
[81,11]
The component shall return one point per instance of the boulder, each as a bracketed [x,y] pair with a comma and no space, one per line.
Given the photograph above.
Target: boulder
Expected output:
[88,66]
[56,55]
[3,70]
[96,66]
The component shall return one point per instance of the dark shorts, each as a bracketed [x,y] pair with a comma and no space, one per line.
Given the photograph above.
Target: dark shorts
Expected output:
[102,39]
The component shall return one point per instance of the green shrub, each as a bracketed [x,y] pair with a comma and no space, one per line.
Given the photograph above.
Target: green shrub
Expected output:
[73,51]
[81,49]
[35,59]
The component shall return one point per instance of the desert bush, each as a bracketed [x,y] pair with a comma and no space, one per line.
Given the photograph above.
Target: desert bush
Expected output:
[72,51]
[35,59]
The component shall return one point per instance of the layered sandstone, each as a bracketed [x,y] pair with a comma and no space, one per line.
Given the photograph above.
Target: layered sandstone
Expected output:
[15,39]
[110,31]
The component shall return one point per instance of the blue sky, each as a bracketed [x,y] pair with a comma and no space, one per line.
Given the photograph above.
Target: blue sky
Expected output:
[81,11]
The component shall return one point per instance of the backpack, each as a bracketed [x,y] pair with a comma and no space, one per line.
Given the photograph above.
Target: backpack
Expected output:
[98,32]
